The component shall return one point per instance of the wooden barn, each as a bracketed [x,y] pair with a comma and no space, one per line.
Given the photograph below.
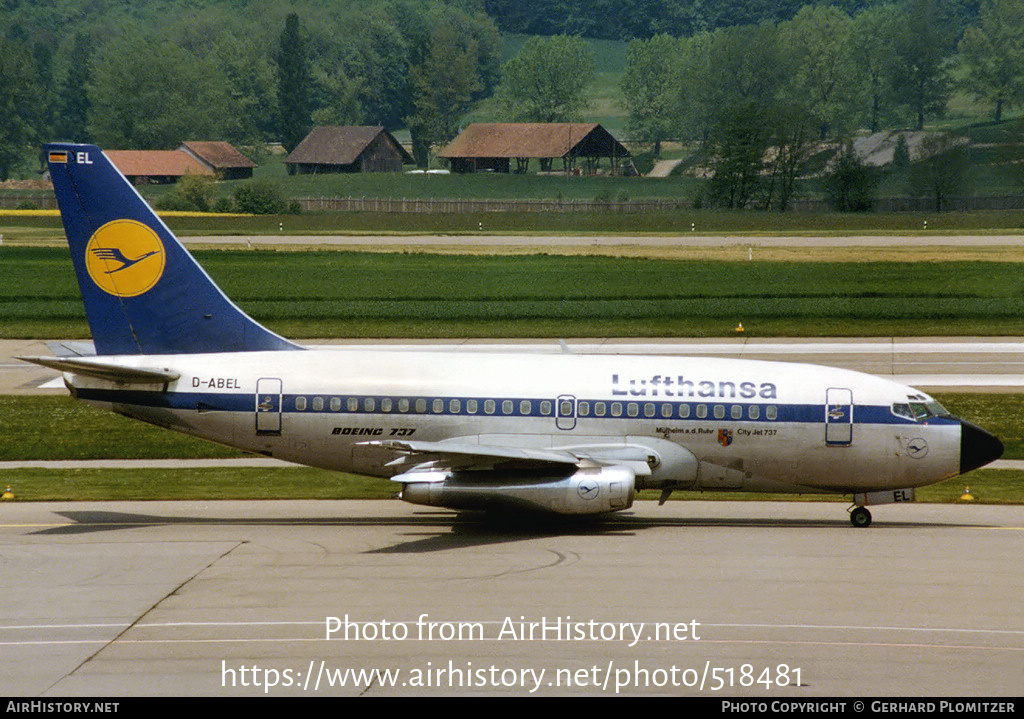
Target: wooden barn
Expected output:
[358,148]
[221,158]
[491,147]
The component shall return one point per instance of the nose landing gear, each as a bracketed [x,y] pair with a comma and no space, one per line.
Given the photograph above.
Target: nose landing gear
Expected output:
[860,517]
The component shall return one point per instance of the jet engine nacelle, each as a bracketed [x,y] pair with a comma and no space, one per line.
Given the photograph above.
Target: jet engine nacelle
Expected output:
[587,490]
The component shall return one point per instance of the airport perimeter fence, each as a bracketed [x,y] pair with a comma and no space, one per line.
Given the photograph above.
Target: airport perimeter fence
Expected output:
[463,206]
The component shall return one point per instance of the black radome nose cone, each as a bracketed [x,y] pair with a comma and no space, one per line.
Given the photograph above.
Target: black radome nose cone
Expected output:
[977,447]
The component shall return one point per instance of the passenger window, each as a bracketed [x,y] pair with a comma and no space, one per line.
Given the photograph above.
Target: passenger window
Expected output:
[403,405]
[471,406]
[583,409]
[421,405]
[616,409]
[684,410]
[352,404]
[600,409]
[736,412]
[385,404]
[525,408]
[489,406]
[335,404]
[632,409]
[545,408]
[369,404]
[719,411]
[506,407]
[437,406]
[753,412]
[702,411]
[454,406]
[300,404]
[649,409]
[771,412]
[666,410]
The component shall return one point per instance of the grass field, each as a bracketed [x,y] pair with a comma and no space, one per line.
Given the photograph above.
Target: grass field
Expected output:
[349,294]
[34,229]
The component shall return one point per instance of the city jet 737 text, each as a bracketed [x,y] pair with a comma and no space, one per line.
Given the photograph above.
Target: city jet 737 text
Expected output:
[560,433]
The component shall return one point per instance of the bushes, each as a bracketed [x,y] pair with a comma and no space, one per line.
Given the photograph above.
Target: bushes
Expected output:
[198,194]
[262,198]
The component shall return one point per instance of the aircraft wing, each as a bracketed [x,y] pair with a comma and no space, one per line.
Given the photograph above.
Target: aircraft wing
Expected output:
[106,370]
[468,455]
[465,455]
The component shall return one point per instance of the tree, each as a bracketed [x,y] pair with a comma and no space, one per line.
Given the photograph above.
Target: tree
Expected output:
[874,56]
[648,88]
[378,59]
[993,55]
[792,129]
[444,87]
[941,169]
[920,72]
[547,80]
[850,184]
[168,96]
[817,49]
[18,93]
[294,82]
[738,145]
[73,105]
[250,80]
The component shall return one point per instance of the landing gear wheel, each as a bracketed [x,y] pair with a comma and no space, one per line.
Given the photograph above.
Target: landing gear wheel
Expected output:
[860,517]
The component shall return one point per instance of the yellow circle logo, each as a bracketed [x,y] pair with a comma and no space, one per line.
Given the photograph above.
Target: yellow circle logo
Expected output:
[125,258]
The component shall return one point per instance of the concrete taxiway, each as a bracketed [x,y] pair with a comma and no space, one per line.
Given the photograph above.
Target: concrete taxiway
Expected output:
[757,599]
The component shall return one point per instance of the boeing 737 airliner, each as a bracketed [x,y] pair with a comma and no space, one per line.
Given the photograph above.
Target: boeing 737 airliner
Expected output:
[559,433]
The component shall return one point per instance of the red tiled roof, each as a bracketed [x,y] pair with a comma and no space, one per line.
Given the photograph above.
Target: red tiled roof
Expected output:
[156,163]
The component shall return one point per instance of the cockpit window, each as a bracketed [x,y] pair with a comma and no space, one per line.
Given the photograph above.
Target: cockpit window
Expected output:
[902,410]
[919,411]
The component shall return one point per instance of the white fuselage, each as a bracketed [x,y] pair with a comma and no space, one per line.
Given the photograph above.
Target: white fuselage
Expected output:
[707,423]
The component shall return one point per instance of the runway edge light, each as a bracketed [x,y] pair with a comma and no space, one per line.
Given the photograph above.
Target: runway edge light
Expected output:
[8,494]
[967,496]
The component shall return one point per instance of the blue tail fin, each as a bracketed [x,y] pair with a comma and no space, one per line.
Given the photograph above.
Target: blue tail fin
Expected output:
[143,291]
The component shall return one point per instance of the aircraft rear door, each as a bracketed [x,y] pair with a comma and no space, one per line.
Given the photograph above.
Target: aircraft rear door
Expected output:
[268,406]
[838,417]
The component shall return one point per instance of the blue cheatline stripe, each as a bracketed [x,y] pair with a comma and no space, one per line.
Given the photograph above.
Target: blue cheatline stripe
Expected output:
[342,405]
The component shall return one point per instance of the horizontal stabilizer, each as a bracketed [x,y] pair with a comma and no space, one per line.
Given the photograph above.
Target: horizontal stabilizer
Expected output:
[106,370]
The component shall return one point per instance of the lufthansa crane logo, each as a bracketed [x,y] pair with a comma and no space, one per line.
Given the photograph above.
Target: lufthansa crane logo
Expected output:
[125,258]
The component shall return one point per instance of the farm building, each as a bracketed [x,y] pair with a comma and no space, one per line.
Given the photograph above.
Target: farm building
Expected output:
[492,146]
[156,166]
[354,148]
[221,158]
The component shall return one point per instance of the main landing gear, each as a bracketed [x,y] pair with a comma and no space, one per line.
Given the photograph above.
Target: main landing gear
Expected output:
[860,517]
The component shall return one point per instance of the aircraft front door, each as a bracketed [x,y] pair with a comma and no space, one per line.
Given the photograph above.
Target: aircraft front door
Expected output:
[268,406]
[838,417]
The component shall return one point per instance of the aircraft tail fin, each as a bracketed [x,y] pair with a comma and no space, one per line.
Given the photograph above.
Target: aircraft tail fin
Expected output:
[143,292]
